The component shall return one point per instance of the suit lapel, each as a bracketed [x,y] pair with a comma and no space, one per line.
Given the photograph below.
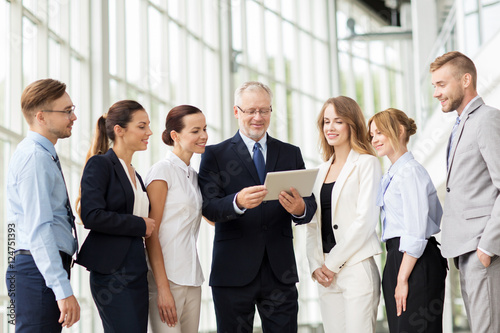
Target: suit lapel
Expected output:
[125,182]
[320,179]
[344,174]
[460,129]
[241,150]
[272,154]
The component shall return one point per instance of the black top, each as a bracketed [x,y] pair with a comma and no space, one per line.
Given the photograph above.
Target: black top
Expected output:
[326,217]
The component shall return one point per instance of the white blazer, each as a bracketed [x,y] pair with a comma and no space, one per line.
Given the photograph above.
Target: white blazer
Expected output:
[354,214]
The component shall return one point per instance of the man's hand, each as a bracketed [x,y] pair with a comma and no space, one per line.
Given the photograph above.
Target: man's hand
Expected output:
[294,204]
[150,226]
[251,197]
[483,258]
[70,311]
[322,278]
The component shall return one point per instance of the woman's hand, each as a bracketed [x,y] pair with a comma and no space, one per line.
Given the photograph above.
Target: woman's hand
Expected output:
[166,307]
[400,294]
[322,278]
[150,226]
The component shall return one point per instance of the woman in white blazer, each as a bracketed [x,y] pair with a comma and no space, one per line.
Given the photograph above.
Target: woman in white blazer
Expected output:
[341,238]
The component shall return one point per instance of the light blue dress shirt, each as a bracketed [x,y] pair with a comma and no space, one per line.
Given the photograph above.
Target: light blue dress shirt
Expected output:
[410,206]
[37,200]
[250,143]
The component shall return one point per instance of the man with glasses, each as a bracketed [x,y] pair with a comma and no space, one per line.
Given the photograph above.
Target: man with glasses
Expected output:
[40,211]
[253,259]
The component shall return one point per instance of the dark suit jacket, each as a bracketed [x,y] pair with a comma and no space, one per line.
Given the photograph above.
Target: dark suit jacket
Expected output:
[107,207]
[241,240]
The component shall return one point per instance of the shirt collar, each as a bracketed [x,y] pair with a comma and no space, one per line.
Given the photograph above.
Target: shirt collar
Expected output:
[408,156]
[175,160]
[250,142]
[468,106]
[43,141]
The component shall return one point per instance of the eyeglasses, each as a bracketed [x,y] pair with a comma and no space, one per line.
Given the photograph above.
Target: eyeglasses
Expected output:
[69,112]
[252,112]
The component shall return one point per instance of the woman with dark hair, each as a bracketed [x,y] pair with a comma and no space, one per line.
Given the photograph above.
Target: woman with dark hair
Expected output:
[415,271]
[115,206]
[175,277]
[341,238]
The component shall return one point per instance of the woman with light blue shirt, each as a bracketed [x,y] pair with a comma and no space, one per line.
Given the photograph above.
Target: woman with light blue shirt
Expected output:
[414,275]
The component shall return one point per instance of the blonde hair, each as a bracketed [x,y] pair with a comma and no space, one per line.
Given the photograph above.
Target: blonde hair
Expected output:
[350,112]
[389,123]
[461,65]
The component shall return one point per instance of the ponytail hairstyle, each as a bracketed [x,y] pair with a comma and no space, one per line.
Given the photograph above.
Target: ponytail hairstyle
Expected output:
[175,121]
[390,122]
[120,114]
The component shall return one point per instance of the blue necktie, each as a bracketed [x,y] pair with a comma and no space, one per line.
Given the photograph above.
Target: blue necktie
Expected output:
[452,137]
[258,160]
[68,205]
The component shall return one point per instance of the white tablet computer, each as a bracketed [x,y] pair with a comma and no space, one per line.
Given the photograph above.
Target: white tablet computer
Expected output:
[302,180]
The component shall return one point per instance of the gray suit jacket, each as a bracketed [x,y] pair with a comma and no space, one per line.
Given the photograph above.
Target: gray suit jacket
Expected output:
[472,206]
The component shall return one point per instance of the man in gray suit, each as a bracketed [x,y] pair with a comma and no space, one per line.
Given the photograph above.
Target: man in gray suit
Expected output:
[471,220]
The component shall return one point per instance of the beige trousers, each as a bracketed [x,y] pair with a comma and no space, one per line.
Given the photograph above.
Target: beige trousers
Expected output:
[187,304]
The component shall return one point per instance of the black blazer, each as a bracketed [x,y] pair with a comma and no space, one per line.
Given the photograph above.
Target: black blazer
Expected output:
[241,240]
[107,207]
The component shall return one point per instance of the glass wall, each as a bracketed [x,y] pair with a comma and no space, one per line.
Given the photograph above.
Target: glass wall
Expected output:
[286,44]
[43,38]
[169,52]
[481,20]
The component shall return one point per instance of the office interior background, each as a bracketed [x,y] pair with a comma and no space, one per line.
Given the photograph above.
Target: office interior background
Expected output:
[164,53]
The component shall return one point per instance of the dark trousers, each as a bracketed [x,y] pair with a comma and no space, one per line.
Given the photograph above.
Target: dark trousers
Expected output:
[424,303]
[122,298]
[35,304]
[276,303]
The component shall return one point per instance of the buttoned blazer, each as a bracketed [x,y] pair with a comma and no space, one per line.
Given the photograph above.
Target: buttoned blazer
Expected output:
[241,240]
[107,205]
[471,216]
[355,214]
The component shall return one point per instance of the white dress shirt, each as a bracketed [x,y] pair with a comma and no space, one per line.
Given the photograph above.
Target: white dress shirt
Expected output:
[141,200]
[181,219]
[411,209]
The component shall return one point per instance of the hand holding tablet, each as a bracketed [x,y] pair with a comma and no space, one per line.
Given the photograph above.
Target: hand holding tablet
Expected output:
[302,180]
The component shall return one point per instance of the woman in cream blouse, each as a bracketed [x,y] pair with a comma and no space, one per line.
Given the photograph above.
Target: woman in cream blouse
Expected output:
[175,277]
[341,238]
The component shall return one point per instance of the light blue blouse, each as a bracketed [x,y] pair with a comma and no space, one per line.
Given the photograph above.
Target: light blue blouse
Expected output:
[410,206]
